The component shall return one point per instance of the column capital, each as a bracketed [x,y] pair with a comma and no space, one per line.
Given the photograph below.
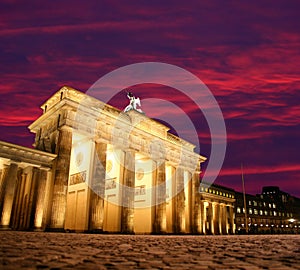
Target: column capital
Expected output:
[45,168]
[15,162]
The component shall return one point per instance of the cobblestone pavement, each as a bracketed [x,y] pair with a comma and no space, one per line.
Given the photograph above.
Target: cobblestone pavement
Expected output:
[32,250]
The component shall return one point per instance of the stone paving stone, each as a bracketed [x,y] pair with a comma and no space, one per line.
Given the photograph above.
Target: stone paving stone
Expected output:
[32,250]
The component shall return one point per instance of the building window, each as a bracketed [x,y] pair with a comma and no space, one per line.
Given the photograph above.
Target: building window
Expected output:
[249,202]
[274,206]
[243,210]
[254,203]
[288,215]
[279,214]
[264,204]
[266,212]
[271,214]
[270,205]
[275,214]
[250,211]
[261,212]
[238,210]
[255,212]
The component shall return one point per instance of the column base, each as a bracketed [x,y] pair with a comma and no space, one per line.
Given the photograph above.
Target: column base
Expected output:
[55,230]
[5,228]
[38,230]
[96,231]
[128,232]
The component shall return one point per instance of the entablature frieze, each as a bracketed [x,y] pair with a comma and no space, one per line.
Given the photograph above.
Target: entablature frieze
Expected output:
[71,109]
[24,155]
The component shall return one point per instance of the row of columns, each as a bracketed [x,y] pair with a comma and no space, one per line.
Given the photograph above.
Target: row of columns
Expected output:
[29,198]
[216,218]
[127,193]
[24,197]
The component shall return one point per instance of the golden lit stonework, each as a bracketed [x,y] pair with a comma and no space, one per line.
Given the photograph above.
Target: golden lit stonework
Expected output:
[95,168]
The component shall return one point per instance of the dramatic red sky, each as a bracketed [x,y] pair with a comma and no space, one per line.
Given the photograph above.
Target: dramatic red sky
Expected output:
[246,52]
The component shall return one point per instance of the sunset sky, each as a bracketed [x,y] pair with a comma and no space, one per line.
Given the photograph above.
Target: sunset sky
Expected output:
[246,52]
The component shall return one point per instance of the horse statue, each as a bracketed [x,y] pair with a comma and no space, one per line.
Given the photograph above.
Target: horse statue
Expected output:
[133,102]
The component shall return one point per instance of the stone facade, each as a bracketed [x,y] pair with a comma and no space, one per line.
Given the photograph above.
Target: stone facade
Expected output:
[98,169]
[25,187]
[217,209]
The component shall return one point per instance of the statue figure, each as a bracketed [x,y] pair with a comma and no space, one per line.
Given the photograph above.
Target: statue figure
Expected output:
[133,102]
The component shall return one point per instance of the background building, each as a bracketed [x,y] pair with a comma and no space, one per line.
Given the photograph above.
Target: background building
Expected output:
[272,211]
[217,209]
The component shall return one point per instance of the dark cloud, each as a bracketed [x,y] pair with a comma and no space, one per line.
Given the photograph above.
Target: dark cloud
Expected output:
[247,53]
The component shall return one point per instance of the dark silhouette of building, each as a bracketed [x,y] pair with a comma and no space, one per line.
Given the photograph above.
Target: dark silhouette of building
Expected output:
[272,211]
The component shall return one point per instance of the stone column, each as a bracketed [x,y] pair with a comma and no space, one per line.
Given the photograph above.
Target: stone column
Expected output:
[196,205]
[223,218]
[98,188]
[210,218]
[231,214]
[41,200]
[32,198]
[202,217]
[59,200]
[160,218]
[179,202]
[9,193]
[128,188]
[2,185]
[220,218]
[26,218]
[19,201]
[215,206]
[226,219]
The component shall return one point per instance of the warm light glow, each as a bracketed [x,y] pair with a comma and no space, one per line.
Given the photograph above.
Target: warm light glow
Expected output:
[38,217]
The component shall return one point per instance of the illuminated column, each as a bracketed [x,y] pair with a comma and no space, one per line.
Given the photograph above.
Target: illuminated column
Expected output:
[215,227]
[31,198]
[2,185]
[26,210]
[179,202]
[210,218]
[226,219]
[41,200]
[9,192]
[19,202]
[220,218]
[231,215]
[160,218]
[59,200]
[203,217]
[196,205]
[223,218]
[127,222]
[98,188]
